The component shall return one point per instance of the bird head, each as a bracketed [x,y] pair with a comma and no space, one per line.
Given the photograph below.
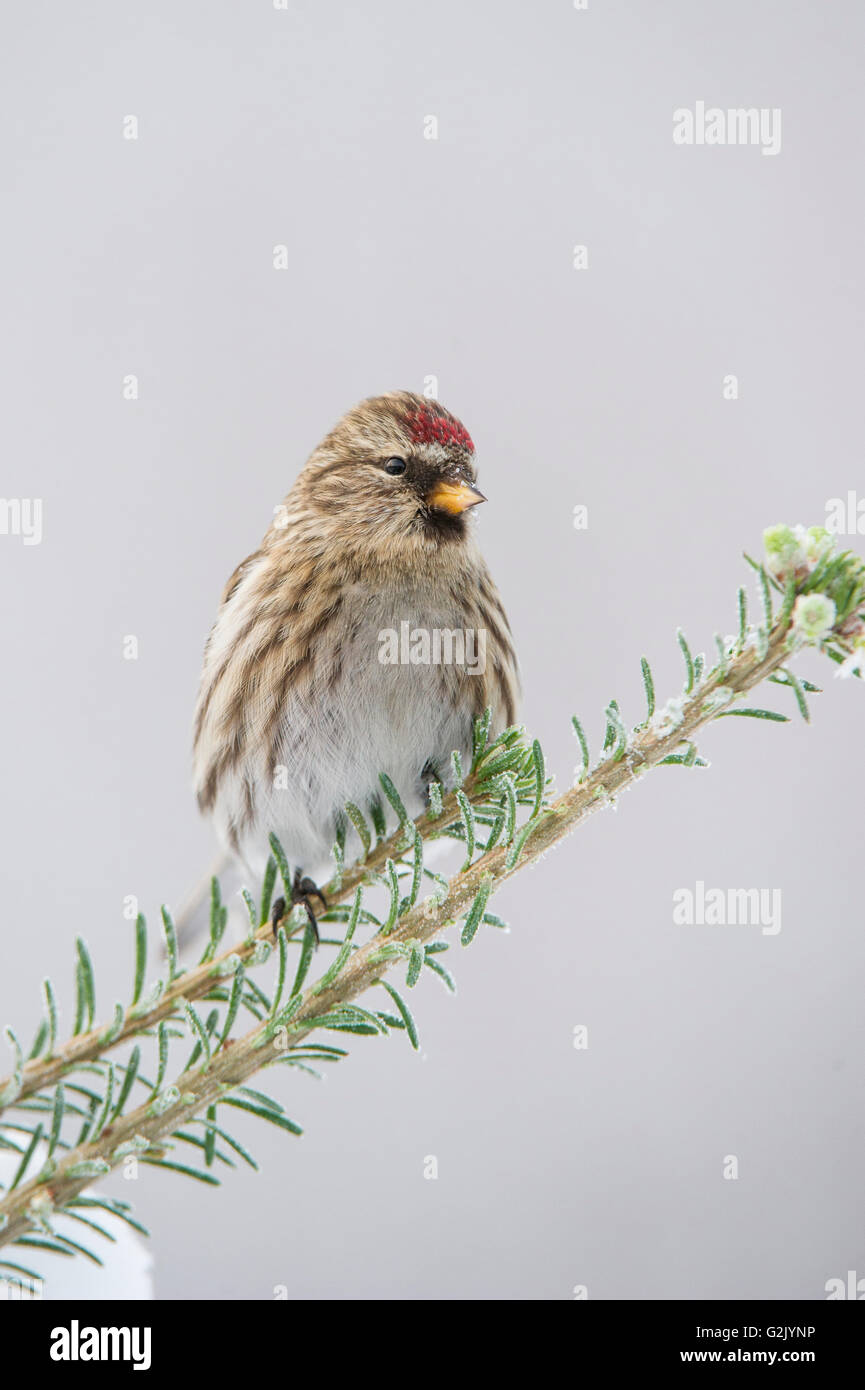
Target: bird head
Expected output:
[399,464]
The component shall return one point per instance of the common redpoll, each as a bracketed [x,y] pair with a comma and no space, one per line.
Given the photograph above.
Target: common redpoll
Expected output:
[363,636]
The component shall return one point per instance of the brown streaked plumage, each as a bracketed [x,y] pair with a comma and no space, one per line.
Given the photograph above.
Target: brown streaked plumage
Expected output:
[297,711]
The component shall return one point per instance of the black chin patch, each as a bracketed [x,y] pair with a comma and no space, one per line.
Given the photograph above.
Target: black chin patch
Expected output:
[441,525]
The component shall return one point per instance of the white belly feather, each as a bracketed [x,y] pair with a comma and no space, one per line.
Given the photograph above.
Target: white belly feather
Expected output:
[357,718]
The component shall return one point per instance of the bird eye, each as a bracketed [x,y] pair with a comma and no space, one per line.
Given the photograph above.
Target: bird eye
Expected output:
[394,466]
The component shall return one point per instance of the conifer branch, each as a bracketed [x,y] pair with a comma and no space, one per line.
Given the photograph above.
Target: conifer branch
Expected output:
[821,604]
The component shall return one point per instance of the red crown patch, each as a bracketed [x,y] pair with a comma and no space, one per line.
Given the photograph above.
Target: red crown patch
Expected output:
[428,428]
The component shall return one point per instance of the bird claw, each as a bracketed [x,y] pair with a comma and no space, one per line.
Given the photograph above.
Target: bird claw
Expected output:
[302,889]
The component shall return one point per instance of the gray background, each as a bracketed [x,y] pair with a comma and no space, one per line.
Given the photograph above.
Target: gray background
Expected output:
[408,257]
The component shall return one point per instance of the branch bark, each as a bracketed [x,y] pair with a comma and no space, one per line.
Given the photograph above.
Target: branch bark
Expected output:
[236,1061]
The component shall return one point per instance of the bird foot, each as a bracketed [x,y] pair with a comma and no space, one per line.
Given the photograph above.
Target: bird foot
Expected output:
[302,890]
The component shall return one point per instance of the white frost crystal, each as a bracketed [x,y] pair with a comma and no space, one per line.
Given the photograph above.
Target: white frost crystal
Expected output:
[813,616]
[719,697]
[665,720]
[854,664]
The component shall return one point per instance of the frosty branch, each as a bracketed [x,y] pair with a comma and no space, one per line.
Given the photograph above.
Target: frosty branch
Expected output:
[500,811]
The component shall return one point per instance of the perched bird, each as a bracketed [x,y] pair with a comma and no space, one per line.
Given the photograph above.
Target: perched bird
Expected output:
[363,636]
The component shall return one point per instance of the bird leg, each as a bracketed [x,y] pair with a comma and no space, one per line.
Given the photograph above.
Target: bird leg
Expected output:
[302,890]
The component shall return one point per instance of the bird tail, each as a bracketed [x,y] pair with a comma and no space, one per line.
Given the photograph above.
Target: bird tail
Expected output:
[192,920]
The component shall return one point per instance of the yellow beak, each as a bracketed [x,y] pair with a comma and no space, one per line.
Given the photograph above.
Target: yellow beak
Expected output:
[454,497]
